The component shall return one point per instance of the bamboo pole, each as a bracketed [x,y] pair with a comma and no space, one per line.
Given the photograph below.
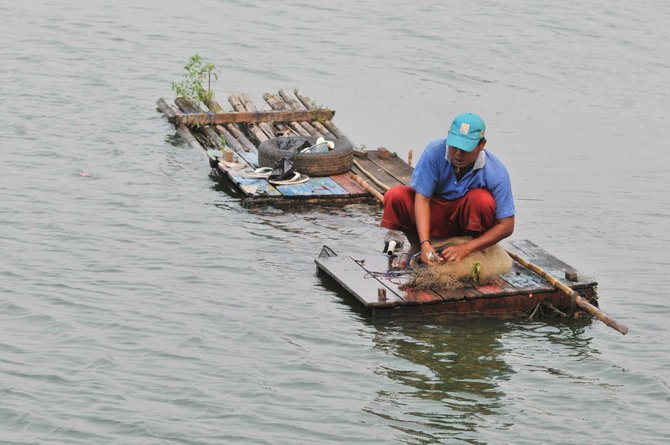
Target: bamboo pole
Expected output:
[182,129]
[231,130]
[211,134]
[228,136]
[367,187]
[249,106]
[278,104]
[571,293]
[167,110]
[296,105]
[254,129]
[293,104]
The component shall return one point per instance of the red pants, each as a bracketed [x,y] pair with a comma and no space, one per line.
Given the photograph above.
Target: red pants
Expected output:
[472,214]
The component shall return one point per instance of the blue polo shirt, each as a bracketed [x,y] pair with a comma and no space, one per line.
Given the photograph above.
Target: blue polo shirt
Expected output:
[434,176]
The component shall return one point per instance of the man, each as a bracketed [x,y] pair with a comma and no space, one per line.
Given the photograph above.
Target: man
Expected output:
[457,188]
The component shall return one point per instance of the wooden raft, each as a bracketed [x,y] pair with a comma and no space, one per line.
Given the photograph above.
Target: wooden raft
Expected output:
[295,114]
[517,292]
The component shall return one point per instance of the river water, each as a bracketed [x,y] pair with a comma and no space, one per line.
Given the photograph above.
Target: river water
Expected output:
[140,304]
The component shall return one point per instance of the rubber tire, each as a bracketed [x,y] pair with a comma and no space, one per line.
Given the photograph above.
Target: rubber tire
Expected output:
[334,162]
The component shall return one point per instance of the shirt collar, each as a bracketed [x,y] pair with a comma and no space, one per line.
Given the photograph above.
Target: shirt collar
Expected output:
[480,162]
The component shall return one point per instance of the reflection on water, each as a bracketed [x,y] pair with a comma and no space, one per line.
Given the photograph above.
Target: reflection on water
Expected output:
[452,372]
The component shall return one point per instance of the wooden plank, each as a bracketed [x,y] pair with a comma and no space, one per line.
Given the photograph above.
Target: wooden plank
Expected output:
[365,288]
[392,165]
[254,186]
[332,186]
[459,293]
[349,184]
[379,263]
[309,188]
[379,173]
[526,281]
[250,117]
[305,202]
[555,267]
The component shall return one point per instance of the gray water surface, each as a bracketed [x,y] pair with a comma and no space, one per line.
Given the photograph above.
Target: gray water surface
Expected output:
[140,304]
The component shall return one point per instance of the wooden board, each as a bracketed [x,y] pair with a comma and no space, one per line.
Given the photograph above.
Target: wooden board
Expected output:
[329,184]
[555,267]
[392,165]
[309,188]
[518,290]
[365,288]
[379,263]
[349,184]
[377,172]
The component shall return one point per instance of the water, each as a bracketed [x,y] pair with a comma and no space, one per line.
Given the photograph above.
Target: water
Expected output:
[141,304]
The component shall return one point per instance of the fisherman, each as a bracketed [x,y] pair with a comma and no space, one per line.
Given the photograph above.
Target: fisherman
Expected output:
[457,189]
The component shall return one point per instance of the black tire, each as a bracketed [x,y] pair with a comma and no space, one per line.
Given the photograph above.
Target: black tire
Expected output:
[334,162]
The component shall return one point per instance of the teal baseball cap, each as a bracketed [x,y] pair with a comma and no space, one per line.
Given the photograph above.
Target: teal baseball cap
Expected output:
[466,131]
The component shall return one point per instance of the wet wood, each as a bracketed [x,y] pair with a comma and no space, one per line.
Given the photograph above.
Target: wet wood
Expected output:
[352,276]
[231,140]
[208,130]
[328,123]
[495,299]
[280,106]
[393,165]
[253,129]
[167,110]
[376,171]
[371,177]
[367,187]
[346,182]
[293,104]
[252,117]
[249,106]
[571,293]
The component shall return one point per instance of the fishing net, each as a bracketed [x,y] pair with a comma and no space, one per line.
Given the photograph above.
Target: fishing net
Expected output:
[478,268]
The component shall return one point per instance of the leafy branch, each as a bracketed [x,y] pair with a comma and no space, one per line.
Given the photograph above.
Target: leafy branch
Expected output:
[197,73]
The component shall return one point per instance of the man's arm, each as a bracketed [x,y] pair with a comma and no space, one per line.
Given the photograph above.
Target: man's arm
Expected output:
[422,216]
[503,228]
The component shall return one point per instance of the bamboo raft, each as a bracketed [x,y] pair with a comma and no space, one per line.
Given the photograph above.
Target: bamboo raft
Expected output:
[245,128]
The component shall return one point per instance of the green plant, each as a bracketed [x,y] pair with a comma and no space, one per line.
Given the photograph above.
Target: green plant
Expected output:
[195,74]
[476,271]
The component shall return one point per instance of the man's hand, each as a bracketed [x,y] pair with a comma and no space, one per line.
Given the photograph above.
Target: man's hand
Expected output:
[456,253]
[429,256]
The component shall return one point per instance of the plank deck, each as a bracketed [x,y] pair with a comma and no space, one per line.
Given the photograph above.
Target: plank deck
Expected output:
[519,290]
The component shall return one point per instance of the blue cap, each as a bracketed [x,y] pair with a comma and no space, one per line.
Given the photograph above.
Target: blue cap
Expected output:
[466,131]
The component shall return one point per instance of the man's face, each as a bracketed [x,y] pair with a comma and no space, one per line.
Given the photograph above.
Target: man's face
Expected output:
[463,159]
